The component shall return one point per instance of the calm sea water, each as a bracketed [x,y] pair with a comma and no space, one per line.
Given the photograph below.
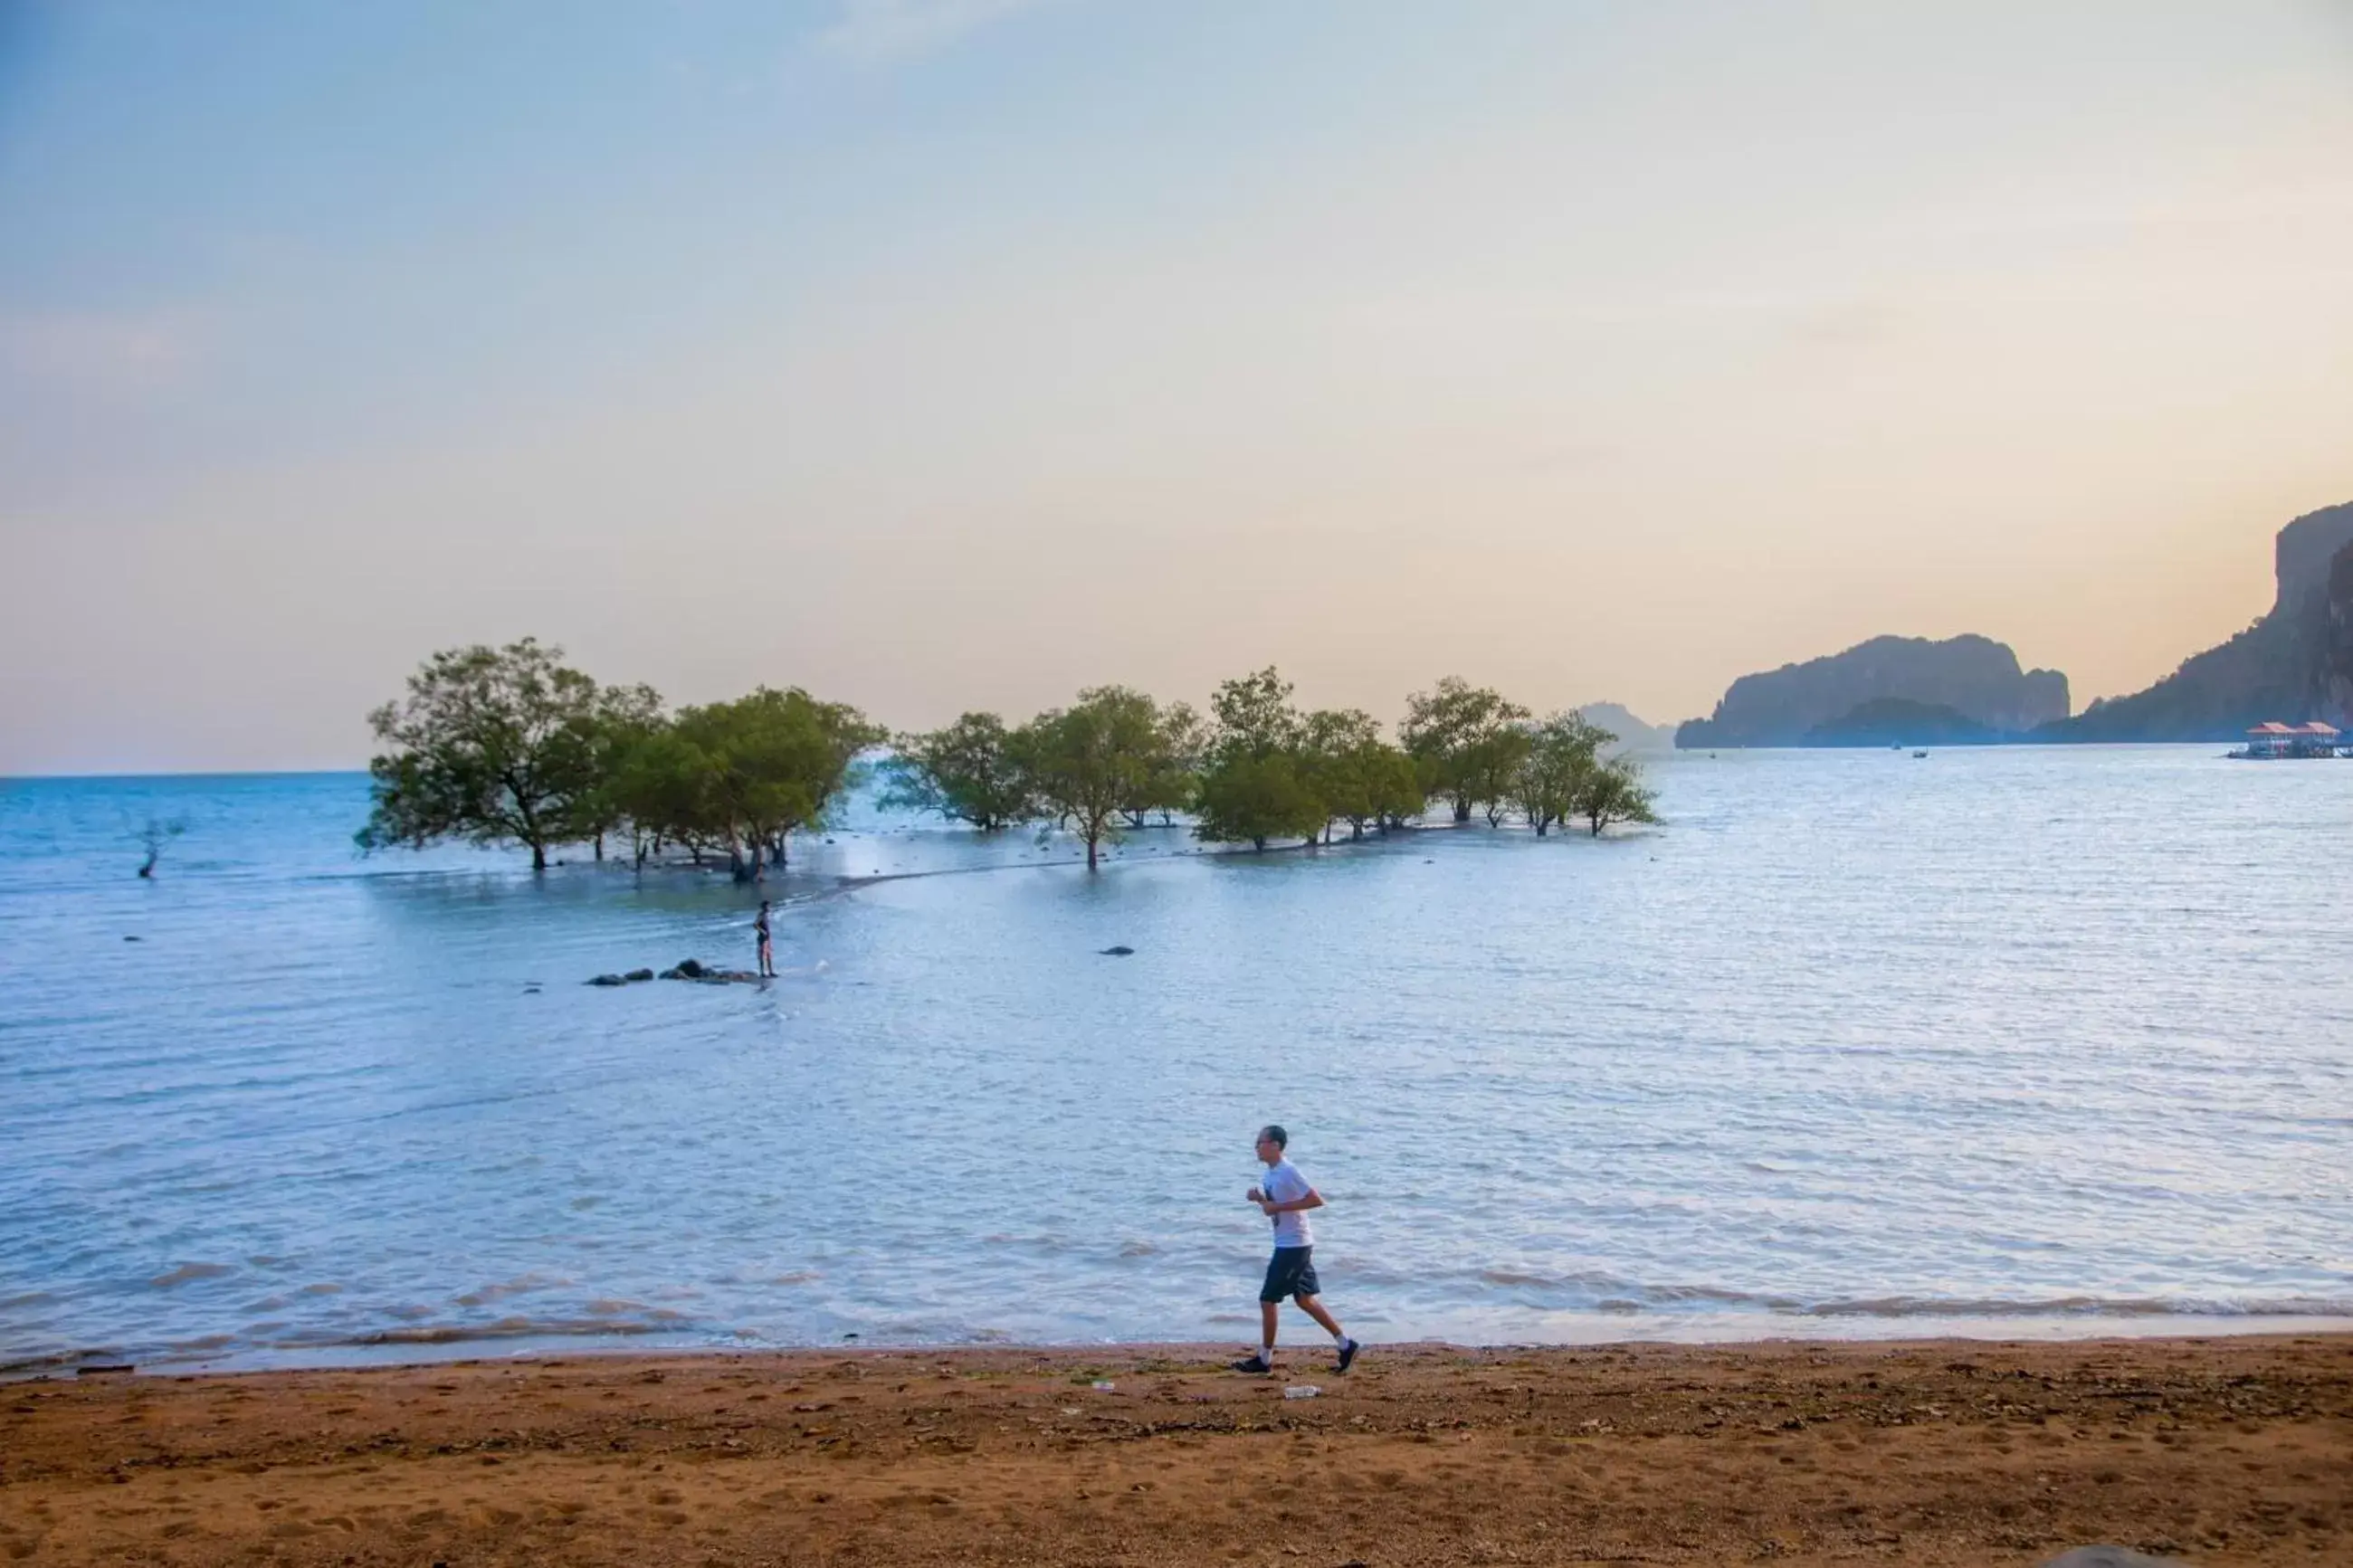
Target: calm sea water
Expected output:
[2013,1041]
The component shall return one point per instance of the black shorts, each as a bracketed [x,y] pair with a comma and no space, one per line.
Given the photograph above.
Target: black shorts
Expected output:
[1289,1273]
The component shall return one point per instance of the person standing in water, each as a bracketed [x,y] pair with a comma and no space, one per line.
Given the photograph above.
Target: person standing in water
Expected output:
[1284,1197]
[767,952]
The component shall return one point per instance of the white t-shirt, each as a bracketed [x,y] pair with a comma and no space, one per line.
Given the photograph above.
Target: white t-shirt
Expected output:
[1284,1185]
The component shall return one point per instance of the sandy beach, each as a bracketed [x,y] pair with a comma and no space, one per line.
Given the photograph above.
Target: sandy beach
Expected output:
[2225,1450]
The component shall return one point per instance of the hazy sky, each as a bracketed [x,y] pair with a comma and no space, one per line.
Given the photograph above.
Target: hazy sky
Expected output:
[949,354]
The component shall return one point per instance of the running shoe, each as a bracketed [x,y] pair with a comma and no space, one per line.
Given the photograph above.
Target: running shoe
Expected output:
[1348,1355]
[1252,1363]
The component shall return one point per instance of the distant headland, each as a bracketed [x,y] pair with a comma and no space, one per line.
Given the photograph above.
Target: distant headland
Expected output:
[2295,663]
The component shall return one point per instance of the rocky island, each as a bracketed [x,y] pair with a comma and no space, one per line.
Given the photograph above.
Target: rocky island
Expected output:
[1889,691]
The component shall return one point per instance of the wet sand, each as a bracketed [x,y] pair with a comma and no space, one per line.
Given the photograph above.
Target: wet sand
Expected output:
[2230,1450]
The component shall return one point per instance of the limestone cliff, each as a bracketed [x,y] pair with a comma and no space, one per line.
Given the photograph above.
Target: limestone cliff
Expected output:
[2279,667]
[2337,666]
[1975,678]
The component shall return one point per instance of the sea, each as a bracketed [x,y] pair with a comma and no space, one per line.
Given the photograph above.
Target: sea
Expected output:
[2014,1042]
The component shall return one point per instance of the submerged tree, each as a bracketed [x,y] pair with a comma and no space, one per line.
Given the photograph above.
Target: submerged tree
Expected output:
[1255,799]
[490,745]
[1615,793]
[1173,773]
[1466,741]
[627,718]
[1355,775]
[1254,788]
[771,763]
[662,788]
[970,772]
[1086,762]
[1555,774]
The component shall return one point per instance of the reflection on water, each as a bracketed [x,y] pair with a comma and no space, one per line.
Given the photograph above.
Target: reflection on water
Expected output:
[2031,1039]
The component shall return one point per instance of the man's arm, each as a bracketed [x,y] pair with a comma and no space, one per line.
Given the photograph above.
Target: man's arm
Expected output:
[1313,1200]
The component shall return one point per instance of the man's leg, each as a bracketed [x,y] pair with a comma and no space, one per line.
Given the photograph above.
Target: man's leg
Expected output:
[1313,1307]
[1270,1305]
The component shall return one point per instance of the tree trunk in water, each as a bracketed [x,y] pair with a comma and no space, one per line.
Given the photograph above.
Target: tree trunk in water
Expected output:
[1540,829]
[600,846]
[1091,854]
[1461,812]
[1355,831]
[539,857]
[776,850]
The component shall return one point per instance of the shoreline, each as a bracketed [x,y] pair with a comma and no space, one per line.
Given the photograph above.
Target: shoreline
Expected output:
[2220,1448]
[413,1349]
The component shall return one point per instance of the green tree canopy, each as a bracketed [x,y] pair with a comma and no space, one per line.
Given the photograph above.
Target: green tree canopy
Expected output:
[1615,793]
[1254,717]
[970,772]
[1251,799]
[1466,741]
[1173,772]
[774,761]
[665,787]
[1255,786]
[1089,760]
[1354,773]
[1551,780]
[626,719]
[491,746]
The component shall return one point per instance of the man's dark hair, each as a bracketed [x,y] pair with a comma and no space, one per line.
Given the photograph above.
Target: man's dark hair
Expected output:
[1275,1135]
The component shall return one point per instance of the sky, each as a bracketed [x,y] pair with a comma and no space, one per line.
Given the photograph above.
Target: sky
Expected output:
[948,355]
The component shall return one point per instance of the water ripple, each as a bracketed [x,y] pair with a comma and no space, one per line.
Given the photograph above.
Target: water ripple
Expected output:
[2023,1040]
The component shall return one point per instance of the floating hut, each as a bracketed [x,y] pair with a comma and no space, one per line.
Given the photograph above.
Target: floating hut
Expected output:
[2271,740]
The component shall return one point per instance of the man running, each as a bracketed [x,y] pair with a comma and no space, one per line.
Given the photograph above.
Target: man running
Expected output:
[767,952]
[1286,1199]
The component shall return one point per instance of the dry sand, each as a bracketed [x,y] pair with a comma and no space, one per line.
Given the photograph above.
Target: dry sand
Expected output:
[2223,1451]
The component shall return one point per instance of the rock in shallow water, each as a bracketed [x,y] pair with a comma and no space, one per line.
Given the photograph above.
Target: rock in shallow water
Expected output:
[694,969]
[608,980]
[1122,951]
